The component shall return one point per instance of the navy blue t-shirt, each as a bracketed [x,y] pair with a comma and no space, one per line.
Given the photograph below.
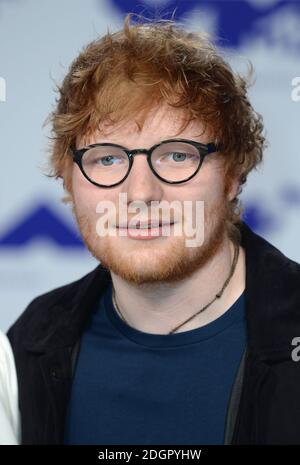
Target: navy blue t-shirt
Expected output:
[132,387]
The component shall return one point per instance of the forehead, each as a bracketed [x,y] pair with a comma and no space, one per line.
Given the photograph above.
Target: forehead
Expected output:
[162,123]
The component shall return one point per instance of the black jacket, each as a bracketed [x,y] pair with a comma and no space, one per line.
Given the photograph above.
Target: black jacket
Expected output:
[265,401]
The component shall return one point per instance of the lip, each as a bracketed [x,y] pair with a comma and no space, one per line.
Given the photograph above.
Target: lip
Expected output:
[146,233]
[145,225]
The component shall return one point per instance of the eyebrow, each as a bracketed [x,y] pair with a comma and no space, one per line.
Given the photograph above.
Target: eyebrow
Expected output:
[158,142]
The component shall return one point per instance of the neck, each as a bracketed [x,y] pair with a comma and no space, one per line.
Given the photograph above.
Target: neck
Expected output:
[159,307]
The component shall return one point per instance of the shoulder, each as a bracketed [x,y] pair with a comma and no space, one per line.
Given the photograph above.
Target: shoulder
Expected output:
[262,256]
[47,300]
[49,310]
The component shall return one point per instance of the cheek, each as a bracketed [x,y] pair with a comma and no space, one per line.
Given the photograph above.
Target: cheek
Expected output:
[85,193]
[79,183]
[87,196]
[215,190]
[208,187]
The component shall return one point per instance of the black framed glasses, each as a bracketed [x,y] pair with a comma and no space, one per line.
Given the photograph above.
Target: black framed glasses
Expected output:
[173,161]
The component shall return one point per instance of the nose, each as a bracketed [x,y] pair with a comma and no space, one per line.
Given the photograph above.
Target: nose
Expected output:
[141,184]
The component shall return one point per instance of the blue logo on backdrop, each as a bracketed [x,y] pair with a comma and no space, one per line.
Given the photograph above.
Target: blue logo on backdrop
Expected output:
[41,223]
[236,20]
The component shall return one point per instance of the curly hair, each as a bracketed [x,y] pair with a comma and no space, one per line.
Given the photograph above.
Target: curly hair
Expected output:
[122,75]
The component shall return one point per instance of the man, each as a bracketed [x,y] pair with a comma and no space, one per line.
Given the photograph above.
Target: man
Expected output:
[167,341]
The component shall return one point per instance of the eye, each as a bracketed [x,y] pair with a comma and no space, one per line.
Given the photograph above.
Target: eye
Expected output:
[103,159]
[108,160]
[178,156]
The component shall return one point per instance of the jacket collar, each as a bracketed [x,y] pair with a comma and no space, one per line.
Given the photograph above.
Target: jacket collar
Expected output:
[272,299]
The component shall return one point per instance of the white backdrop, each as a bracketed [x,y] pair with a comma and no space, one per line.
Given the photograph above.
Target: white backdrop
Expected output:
[40,247]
